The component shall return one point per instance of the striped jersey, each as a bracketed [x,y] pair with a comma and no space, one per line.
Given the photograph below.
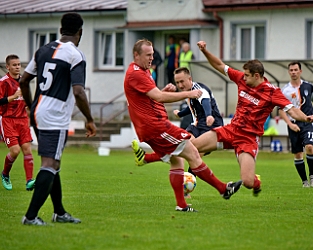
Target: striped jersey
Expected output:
[58,66]
[197,109]
[300,96]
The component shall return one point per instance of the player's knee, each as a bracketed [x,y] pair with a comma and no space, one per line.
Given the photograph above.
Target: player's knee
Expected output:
[247,182]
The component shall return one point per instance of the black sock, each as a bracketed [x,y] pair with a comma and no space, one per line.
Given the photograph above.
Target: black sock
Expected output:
[301,169]
[309,160]
[44,181]
[190,171]
[56,195]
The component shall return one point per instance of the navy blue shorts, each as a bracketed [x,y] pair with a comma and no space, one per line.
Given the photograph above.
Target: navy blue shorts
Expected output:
[300,139]
[51,143]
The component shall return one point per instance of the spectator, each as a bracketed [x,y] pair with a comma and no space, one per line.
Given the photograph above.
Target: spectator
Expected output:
[156,62]
[185,56]
[171,53]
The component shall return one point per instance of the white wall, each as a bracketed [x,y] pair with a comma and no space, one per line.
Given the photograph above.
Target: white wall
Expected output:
[156,10]
[285,31]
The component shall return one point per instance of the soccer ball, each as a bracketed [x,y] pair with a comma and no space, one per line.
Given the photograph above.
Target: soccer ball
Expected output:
[190,182]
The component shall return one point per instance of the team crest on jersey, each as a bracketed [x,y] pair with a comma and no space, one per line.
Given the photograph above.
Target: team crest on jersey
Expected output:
[136,67]
[184,135]
[306,92]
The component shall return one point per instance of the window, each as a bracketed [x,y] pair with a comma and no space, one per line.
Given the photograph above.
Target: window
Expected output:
[248,42]
[110,52]
[309,40]
[40,38]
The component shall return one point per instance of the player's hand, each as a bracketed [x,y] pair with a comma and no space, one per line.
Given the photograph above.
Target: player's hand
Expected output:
[201,45]
[176,111]
[18,93]
[197,93]
[170,87]
[91,129]
[294,127]
[209,120]
[309,118]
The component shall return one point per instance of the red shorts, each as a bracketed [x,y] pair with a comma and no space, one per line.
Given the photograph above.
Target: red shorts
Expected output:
[166,142]
[234,138]
[15,131]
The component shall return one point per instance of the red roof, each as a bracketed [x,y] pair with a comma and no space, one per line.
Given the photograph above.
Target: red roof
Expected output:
[44,6]
[229,5]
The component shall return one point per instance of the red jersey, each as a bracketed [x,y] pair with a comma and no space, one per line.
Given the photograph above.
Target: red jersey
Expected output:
[146,114]
[255,104]
[16,108]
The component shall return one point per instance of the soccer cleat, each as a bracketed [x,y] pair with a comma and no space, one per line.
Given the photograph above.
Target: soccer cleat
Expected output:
[256,192]
[306,184]
[6,182]
[30,185]
[37,221]
[311,182]
[65,218]
[185,209]
[139,153]
[231,188]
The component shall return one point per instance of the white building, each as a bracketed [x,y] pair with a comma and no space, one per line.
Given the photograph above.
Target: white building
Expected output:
[273,31]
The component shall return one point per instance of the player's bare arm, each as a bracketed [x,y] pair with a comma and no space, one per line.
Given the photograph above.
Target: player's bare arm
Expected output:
[168,97]
[299,115]
[291,125]
[82,104]
[213,60]
[25,88]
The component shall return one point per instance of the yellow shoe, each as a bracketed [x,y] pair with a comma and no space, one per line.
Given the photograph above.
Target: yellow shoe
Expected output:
[257,191]
[139,153]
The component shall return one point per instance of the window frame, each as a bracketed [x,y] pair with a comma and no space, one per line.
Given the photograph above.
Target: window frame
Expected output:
[34,40]
[100,48]
[236,41]
[309,38]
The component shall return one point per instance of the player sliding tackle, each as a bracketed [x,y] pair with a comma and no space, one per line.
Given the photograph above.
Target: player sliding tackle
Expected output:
[256,99]
[169,142]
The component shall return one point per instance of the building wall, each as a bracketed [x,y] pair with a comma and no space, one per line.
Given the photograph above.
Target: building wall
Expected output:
[156,10]
[285,31]
[15,39]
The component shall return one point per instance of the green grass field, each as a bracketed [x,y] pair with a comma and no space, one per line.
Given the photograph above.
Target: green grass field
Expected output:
[127,207]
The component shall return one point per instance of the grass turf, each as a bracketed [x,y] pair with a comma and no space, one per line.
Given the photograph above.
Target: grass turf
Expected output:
[127,207]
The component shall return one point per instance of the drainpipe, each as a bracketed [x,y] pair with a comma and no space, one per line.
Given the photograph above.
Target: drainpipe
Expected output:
[221,28]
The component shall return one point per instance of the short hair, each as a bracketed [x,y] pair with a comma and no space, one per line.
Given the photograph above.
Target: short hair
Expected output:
[182,69]
[294,63]
[138,45]
[10,57]
[71,23]
[254,66]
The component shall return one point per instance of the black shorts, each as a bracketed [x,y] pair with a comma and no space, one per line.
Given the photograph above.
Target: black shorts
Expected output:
[51,143]
[300,139]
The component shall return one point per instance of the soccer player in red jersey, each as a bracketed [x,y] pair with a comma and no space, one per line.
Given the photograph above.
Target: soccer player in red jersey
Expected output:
[169,142]
[14,124]
[256,100]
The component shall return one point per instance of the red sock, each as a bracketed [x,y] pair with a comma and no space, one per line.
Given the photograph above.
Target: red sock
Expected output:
[177,182]
[151,157]
[257,183]
[8,162]
[28,166]
[206,174]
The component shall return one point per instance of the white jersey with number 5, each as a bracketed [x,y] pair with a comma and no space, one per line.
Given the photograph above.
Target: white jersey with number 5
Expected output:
[58,66]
